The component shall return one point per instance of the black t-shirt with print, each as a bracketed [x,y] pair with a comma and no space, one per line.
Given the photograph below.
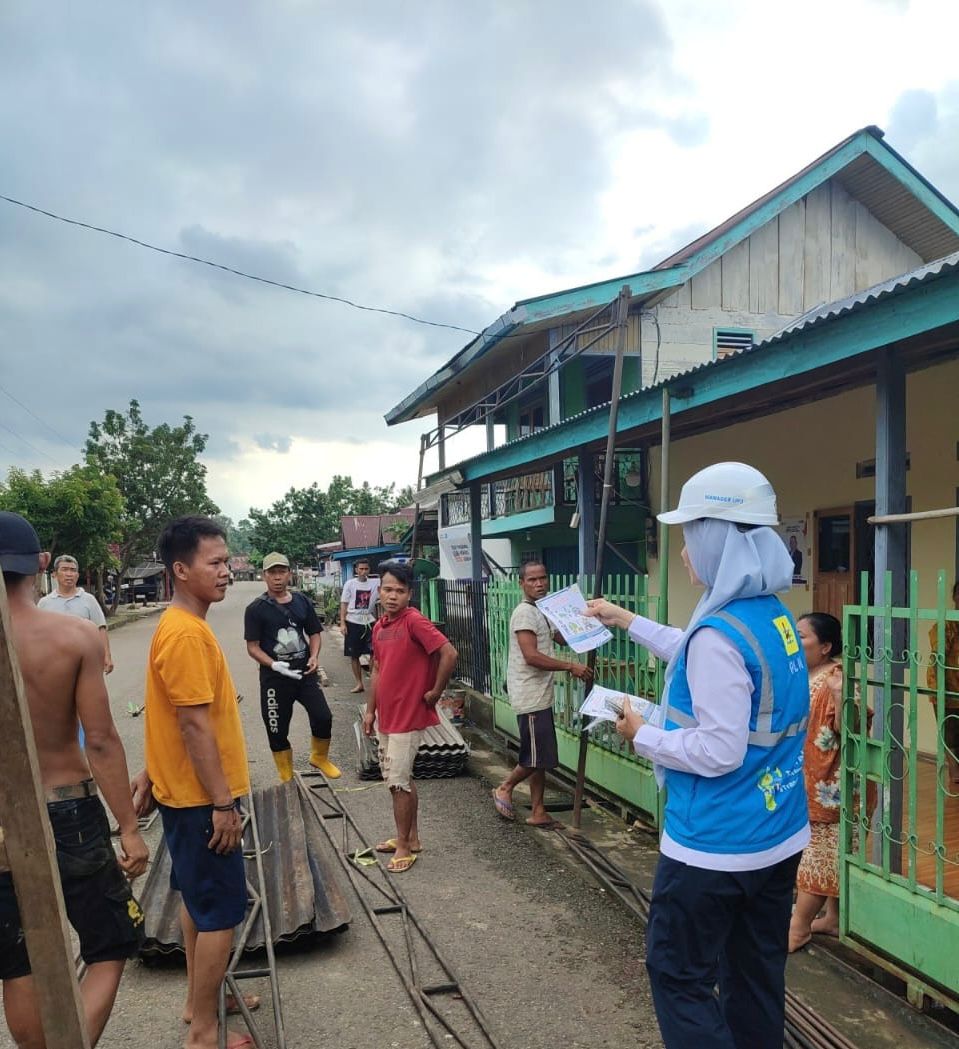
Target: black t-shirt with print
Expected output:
[282,630]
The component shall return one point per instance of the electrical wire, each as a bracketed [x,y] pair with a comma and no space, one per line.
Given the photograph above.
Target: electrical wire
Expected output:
[30,411]
[32,447]
[237,273]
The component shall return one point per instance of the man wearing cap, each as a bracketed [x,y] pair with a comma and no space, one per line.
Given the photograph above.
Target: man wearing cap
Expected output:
[282,633]
[72,600]
[728,745]
[61,660]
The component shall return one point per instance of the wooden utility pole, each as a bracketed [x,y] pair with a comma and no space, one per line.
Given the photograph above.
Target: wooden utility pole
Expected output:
[609,466]
[31,858]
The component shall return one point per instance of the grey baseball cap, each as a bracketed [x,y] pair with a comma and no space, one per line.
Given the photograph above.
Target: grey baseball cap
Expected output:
[19,545]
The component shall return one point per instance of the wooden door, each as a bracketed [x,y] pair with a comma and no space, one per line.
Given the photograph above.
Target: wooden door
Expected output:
[834,578]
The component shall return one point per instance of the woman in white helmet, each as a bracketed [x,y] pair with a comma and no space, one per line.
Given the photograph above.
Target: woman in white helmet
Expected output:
[729,747]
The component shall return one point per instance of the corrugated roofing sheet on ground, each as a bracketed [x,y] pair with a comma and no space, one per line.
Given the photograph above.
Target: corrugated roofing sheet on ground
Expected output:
[302,891]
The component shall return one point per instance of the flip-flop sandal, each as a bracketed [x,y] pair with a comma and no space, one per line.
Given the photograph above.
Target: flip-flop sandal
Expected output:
[503,808]
[399,866]
[252,1002]
[390,846]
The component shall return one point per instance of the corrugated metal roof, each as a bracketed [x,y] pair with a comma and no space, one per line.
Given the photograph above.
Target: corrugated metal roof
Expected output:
[883,290]
[302,891]
[811,319]
[360,532]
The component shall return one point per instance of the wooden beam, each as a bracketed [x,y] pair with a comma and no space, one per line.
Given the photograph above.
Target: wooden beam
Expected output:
[31,855]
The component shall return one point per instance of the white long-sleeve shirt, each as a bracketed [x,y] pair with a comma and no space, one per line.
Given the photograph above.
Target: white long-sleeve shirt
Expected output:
[721,691]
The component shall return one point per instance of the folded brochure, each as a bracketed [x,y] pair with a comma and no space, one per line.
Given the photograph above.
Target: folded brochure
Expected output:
[602,704]
[565,610]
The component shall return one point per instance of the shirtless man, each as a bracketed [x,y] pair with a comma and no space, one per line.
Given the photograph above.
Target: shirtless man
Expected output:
[61,659]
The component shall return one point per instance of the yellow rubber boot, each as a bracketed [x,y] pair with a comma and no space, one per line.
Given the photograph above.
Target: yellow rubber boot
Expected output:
[319,758]
[284,764]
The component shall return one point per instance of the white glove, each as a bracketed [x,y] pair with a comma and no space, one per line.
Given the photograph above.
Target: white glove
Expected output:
[284,668]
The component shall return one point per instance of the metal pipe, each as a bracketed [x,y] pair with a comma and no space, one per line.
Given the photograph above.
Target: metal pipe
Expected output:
[609,465]
[663,507]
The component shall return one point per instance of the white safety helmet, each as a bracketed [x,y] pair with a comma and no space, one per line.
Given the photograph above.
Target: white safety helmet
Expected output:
[727,491]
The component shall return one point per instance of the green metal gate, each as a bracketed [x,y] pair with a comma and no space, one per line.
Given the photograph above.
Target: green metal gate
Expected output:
[899,849]
[611,764]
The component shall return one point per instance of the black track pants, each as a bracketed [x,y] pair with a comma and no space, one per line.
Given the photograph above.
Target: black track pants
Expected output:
[277,696]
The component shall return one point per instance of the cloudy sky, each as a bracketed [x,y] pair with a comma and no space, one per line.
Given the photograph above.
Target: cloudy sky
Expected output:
[441,158]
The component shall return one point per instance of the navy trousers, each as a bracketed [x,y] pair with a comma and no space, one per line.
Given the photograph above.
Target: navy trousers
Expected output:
[726,929]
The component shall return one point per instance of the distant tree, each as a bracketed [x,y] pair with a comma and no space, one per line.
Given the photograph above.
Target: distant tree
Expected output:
[305,517]
[237,535]
[77,511]
[157,471]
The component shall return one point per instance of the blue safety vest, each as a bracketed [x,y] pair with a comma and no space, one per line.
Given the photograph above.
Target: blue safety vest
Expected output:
[763,802]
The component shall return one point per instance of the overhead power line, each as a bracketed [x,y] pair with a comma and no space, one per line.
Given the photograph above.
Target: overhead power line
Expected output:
[32,447]
[30,411]
[237,273]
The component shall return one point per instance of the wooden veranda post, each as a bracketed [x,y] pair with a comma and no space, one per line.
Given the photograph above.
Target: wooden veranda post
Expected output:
[31,857]
[609,467]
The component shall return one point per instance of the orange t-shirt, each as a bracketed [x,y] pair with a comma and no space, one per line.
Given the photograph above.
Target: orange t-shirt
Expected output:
[187,668]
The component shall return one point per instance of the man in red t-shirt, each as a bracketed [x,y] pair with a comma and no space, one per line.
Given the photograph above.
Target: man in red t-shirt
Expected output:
[412,664]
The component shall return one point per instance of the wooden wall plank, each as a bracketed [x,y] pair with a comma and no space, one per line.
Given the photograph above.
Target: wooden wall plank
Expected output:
[706,287]
[842,268]
[764,269]
[879,252]
[735,277]
[31,855]
[817,245]
[792,223]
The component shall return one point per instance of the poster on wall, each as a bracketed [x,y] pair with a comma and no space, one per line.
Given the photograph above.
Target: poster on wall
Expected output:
[792,530]
[456,554]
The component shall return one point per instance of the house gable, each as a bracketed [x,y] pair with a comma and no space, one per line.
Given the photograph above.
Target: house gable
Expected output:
[854,216]
[824,247]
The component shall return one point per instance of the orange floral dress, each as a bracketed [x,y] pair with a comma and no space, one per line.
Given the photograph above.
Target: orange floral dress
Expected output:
[819,868]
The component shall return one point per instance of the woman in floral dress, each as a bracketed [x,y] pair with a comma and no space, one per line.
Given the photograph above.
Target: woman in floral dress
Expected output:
[817,882]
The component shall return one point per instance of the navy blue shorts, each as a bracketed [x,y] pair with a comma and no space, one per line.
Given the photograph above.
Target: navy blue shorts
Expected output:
[213,886]
[99,901]
[537,740]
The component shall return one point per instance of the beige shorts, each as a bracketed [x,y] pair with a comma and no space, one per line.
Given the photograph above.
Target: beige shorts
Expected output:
[397,754]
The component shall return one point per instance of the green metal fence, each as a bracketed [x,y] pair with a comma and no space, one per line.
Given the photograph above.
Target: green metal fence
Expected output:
[899,850]
[611,764]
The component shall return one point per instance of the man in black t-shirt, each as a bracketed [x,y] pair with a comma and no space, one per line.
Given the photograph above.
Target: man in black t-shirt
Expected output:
[282,634]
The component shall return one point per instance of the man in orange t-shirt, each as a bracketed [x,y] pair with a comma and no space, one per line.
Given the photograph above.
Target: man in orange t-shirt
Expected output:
[196,761]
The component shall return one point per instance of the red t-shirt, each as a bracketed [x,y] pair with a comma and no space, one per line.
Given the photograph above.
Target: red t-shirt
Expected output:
[404,649]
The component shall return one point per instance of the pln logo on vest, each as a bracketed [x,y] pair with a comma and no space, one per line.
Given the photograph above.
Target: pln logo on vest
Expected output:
[786,632]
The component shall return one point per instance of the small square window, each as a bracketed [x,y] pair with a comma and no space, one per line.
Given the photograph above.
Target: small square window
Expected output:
[727,341]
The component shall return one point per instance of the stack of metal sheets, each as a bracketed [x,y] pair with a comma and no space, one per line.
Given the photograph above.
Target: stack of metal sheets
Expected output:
[443,751]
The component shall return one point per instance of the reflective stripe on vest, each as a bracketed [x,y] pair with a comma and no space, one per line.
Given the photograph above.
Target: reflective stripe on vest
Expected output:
[763,736]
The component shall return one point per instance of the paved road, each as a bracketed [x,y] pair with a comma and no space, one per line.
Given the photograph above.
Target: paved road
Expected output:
[549,959]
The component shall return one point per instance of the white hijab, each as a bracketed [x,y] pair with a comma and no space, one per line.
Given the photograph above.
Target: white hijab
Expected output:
[732,564]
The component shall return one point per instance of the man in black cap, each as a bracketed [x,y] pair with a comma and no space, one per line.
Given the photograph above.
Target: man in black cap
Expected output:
[282,632]
[61,660]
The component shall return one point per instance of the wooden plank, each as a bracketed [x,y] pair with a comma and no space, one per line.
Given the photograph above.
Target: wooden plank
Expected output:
[842,264]
[816,248]
[792,224]
[735,277]
[706,287]
[31,855]
[764,269]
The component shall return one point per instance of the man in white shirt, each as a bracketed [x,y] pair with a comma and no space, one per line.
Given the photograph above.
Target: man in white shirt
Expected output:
[529,682]
[357,614]
[72,600]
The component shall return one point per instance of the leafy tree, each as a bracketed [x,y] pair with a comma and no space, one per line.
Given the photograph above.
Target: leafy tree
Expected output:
[77,511]
[157,471]
[304,517]
[237,535]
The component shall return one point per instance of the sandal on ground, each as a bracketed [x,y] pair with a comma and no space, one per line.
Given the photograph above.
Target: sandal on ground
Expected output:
[399,866]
